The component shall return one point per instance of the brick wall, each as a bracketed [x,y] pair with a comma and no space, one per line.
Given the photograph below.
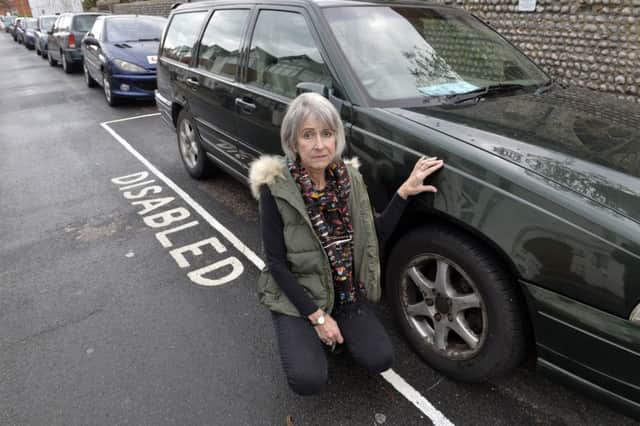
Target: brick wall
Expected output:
[588,43]
[16,7]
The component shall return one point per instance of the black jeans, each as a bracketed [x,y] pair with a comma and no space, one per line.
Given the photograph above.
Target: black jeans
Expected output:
[303,355]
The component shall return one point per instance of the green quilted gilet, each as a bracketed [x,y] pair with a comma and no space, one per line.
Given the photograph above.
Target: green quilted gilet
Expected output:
[305,256]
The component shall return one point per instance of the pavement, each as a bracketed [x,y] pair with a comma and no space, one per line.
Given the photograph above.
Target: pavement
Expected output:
[111,313]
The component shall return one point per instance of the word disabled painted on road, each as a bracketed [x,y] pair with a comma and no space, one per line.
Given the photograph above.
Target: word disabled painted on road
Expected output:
[160,212]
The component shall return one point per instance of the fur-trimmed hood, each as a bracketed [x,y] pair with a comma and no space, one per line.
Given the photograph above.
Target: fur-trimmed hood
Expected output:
[266,169]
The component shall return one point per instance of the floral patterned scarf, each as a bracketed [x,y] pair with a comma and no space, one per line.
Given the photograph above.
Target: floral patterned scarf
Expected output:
[328,210]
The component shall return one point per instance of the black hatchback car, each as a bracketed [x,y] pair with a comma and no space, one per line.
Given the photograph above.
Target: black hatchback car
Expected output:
[533,239]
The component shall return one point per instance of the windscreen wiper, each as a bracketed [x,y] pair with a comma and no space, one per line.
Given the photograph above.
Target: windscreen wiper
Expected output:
[476,94]
[149,39]
[544,87]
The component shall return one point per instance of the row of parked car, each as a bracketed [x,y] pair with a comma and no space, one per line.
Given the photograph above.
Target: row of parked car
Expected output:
[116,52]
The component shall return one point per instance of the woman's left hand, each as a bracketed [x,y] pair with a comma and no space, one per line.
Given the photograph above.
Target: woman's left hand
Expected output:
[415,182]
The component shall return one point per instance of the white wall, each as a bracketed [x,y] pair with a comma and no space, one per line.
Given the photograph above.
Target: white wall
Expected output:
[50,7]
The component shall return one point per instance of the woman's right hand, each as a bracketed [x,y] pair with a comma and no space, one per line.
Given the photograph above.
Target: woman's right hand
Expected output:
[329,332]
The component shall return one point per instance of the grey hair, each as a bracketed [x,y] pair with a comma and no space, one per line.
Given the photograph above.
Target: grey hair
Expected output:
[305,106]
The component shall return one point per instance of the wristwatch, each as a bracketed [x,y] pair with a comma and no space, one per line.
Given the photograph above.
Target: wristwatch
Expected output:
[319,321]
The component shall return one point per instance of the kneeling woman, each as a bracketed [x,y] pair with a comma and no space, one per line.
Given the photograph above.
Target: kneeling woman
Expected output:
[321,243]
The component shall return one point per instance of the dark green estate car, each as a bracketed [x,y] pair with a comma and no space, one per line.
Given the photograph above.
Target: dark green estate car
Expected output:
[533,240]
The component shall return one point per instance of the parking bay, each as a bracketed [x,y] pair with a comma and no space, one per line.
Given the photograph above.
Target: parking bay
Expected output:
[103,325]
[522,398]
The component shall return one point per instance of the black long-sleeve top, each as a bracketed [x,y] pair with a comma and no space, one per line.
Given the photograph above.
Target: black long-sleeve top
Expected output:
[275,250]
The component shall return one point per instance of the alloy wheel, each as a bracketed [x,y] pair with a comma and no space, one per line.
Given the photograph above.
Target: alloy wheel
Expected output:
[188,144]
[106,84]
[444,306]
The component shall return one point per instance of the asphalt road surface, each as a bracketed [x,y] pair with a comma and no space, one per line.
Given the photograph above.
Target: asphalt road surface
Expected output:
[118,310]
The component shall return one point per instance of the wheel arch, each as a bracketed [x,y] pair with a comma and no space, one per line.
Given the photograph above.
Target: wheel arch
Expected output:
[175,112]
[415,219]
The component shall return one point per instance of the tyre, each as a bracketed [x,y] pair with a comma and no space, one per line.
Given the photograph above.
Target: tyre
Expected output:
[458,307]
[38,51]
[189,143]
[66,66]
[111,99]
[52,62]
[90,82]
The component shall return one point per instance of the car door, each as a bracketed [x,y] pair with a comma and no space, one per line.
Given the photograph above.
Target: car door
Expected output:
[51,39]
[213,84]
[283,51]
[59,36]
[176,55]
[92,51]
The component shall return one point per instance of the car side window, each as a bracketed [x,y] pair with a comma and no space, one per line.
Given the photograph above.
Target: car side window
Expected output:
[181,36]
[283,54]
[219,50]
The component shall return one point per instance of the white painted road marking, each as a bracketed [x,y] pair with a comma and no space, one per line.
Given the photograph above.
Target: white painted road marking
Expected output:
[416,398]
[404,388]
[239,245]
[165,218]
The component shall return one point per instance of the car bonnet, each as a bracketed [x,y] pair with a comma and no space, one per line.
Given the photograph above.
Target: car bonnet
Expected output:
[588,143]
[138,53]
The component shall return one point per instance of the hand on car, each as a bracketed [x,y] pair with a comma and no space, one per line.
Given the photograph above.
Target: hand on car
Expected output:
[415,182]
[329,332]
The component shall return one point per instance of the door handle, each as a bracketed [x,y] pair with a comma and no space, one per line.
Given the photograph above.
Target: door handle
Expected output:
[193,82]
[245,106]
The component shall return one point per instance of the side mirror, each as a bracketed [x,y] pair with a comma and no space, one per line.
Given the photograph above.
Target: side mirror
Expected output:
[304,87]
[89,40]
[50,32]
[343,107]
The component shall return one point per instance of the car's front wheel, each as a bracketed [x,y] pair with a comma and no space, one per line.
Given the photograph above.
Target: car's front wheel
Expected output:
[90,82]
[191,151]
[52,62]
[111,99]
[457,305]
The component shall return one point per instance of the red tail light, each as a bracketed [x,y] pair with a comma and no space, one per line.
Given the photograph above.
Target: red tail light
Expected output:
[72,41]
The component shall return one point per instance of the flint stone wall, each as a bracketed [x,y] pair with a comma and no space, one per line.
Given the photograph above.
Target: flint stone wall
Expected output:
[149,7]
[587,43]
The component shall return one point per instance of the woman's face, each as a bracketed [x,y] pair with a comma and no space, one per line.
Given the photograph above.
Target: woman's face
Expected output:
[316,145]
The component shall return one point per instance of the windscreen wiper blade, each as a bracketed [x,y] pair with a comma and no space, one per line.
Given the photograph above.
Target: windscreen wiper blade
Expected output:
[467,96]
[482,91]
[544,87]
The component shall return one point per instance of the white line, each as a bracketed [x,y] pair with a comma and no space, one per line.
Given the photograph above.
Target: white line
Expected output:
[135,117]
[239,245]
[404,388]
[415,398]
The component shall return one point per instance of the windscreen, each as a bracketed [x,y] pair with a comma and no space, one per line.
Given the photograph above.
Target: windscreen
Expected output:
[410,52]
[134,29]
[47,23]
[31,23]
[83,23]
